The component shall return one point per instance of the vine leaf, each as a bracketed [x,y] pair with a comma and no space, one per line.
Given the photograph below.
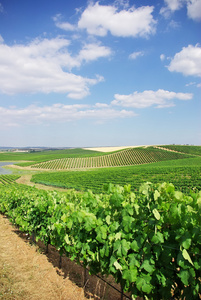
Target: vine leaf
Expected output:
[187,256]
[156,214]
[117,265]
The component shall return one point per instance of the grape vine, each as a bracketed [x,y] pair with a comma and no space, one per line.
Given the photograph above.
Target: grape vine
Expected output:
[149,242]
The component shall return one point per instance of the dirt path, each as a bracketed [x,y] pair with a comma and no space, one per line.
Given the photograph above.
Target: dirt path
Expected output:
[28,273]
[26,179]
[25,273]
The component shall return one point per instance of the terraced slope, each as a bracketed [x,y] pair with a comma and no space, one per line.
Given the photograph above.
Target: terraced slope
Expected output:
[127,157]
[8,179]
[193,150]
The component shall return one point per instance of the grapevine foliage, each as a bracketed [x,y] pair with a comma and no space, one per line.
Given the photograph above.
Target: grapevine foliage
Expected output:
[150,242]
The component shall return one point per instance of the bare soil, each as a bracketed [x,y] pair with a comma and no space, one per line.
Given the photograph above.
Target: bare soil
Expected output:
[27,272]
[26,179]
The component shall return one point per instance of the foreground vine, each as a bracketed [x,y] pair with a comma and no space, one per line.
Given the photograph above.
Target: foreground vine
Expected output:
[150,241]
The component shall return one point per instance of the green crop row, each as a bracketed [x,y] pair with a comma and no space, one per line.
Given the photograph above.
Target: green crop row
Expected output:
[132,156]
[46,155]
[184,174]
[150,242]
[193,150]
[8,179]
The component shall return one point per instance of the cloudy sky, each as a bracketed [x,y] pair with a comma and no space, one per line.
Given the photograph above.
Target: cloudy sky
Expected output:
[100,73]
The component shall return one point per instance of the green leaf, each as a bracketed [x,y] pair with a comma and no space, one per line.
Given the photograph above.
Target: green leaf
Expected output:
[178,195]
[136,207]
[158,238]
[66,238]
[184,275]
[125,246]
[134,246]
[156,214]
[127,222]
[146,265]
[118,235]
[156,195]
[117,265]
[143,284]
[130,275]
[186,244]
[187,256]
[107,219]
[199,202]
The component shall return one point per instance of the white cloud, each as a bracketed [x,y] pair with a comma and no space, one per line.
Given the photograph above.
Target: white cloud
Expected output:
[45,66]
[170,7]
[174,4]
[1,8]
[1,39]
[59,113]
[101,19]
[187,61]
[162,57]
[134,55]
[159,99]
[94,51]
[194,9]
[63,25]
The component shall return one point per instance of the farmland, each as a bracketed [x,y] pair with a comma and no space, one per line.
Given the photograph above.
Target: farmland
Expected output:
[132,156]
[146,235]
[41,156]
[149,242]
[8,179]
[183,173]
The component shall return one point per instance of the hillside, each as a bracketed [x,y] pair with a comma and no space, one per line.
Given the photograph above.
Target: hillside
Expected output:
[126,157]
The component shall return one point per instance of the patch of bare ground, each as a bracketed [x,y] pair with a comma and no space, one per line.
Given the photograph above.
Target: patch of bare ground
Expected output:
[26,179]
[27,272]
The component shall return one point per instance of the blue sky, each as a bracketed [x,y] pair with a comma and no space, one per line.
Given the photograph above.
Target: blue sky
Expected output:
[108,73]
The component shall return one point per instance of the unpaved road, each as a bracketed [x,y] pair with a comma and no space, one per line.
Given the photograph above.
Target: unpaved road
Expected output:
[25,273]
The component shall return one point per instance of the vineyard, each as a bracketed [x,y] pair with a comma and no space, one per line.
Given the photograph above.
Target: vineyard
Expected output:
[192,150]
[127,157]
[41,156]
[184,174]
[146,235]
[150,242]
[8,179]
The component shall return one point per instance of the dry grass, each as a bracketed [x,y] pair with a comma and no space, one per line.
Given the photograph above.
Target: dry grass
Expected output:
[27,273]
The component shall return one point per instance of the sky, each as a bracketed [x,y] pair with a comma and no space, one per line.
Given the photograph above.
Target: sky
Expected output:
[100,73]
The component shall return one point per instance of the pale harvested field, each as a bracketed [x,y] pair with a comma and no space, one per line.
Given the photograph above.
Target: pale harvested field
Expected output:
[111,149]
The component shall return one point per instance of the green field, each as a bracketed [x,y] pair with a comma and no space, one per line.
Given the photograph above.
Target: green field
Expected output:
[8,179]
[126,157]
[42,156]
[149,240]
[86,169]
[193,150]
[183,173]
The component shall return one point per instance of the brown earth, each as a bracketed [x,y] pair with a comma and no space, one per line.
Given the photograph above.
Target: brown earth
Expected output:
[25,273]
[28,273]
[26,179]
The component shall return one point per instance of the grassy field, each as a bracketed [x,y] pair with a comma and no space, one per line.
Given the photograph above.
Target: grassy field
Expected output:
[7,179]
[42,156]
[126,157]
[193,150]
[184,174]
[87,169]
